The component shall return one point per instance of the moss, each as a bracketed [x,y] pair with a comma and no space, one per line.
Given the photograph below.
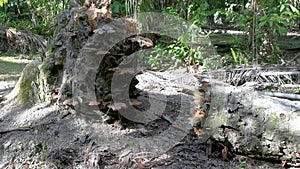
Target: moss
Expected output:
[44,88]
[252,145]
[33,84]
[76,44]
[27,85]
[49,70]
[50,53]
[218,120]
[273,121]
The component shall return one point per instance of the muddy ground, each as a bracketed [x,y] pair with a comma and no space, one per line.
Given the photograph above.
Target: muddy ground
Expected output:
[55,136]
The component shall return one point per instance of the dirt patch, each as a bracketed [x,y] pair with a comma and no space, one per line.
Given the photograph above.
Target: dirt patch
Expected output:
[53,136]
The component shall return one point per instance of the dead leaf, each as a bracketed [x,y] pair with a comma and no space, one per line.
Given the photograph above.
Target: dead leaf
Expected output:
[199,113]
[135,102]
[94,103]
[26,166]
[68,102]
[126,70]
[197,130]
[117,106]
[224,153]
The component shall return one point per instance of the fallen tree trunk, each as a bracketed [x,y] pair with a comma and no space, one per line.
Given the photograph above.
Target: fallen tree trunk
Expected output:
[267,127]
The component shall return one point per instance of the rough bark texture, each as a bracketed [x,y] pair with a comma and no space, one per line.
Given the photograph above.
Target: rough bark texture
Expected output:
[255,124]
[81,60]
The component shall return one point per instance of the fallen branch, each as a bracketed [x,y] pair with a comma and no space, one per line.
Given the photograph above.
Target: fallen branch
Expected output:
[24,128]
[282,95]
[290,86]
[15,129]
[279,73]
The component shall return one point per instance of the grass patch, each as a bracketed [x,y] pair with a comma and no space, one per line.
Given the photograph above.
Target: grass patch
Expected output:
[11,67]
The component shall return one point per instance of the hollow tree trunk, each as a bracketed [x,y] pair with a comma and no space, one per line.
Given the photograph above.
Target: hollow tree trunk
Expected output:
[74,55]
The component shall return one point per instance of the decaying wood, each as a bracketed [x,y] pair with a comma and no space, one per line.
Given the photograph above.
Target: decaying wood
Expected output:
[94,13]
[257,117]
[131,26]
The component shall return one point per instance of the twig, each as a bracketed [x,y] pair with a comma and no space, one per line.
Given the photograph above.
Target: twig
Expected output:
[25,128]
[15,129]
[6,165]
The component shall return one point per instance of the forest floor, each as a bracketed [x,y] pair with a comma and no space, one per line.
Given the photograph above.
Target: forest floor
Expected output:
[54,136]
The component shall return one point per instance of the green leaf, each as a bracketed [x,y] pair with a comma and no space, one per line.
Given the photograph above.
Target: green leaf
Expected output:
[263,23]
[286,13]
[295,10]
[242,160]
[282,7]
[234,56]
[281,30]
[116,6]
[271,23]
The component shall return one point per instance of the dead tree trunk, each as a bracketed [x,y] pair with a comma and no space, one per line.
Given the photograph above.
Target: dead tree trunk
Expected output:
[85,52]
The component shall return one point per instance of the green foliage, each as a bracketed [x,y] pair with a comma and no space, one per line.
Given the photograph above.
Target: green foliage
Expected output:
[130,143]
[2,2]
[43,152]
[118,9]
[199,12]
[171,11]
[160,58]
[39,148]
[37,16]
[242,160]
[268,90]
[148,5]
[264,22]
[277,19]
[175,54]
[234,56]
[239,57]
[131,7]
